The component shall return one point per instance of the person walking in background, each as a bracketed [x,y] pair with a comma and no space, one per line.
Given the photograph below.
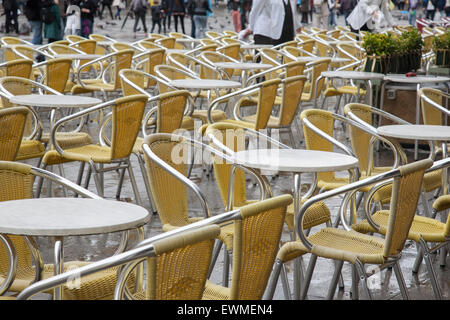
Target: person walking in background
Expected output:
[119,5]
[190,12]
[273,22]
[139,8]
[236,15]
[331,13]
[164,9]
[430,9]
[178,12]
[72,20]
[88,8]
[52,21]
[107,4]
[32,11]
[304,9]
[168,12]
[11,7]
[321,7]
[369,15]
[156,16]
[412,12]
[347,7]
[440,5]
[200,9]
[447,8]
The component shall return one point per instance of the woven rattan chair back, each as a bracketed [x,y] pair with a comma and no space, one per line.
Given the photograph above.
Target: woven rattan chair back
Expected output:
[231,50]
[359,139]
[126,118]
[169,194]
[171,107]
[136,77]
[87,46]
[292,94]
[169,73]
[324,121]
[155,57]
[232,136]
[318,67]
[8,53]
[24,50]
[56,48]
[73,38]
[122,60]
[16,182]
[19,68]
[168,42]
[148,45]
[295,68]
[12,125]
[431,115]
[57,73]
[117,46]
[405,195]
[180,268]
[266,99]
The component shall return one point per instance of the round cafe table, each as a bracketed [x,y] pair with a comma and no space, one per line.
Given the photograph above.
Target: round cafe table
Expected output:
[61,217]
[297,161]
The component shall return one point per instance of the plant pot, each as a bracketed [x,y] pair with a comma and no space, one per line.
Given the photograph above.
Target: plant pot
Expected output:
[442,57]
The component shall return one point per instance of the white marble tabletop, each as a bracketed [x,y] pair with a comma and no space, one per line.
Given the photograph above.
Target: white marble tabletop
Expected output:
[354,75]
[312,59]
[243,65]
[204,84]
[79,56]
[416,132]
[54,101]
[69,216]
[255,46]
[418,79]
[294,160]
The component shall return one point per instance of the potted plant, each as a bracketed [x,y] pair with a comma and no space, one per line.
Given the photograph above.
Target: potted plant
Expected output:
[413,44]
[379,48]
[441,48]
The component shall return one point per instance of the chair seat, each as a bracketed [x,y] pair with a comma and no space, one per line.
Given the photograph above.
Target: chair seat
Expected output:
[431,230]
[215,292]
[338,244]
[330,91]
[217,115]
[97,286]
[93,85]
[317,214]
[30,149]
[68,140]
[96,153]
[274,122]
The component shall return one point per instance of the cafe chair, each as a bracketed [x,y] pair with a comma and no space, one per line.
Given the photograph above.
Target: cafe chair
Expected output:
[12,86]
[107,80]
[366,116]
[146,62]
[211,57]
[11,41]
[127,113]
[291,92]
[231,50]
[54,73]
[316,83]
[29,263]
[167,42]
[356,248]
[73,38]
[26,52]
[12,126]
[424,231]
[16,68]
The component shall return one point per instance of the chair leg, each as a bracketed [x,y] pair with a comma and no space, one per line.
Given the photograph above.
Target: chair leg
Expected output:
[355,281]
[308,276]
[401,281]
[226,267]
[141,162]
[285,283]
[88,177]
[363,278]
[97,179]
[133,183]
[119,186]
[430,268]
[215,255]
[335,279]
[278,265]
[419,258]
[424,200]
[40,182]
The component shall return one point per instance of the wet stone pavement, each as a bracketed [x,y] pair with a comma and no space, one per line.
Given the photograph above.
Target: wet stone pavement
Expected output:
[96,247]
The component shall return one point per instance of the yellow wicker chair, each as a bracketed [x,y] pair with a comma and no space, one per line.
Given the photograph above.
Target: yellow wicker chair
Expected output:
[146,61]
[10,41]
[16,182]
[72,38]
[12,126]
[231,50]
[356,248]
[30,148]
[16,68]
[213,34]
[108,80]
[167,42]
[291,92]
[315,85]
[257,234]
[211,57]
[54,73]
[127,113]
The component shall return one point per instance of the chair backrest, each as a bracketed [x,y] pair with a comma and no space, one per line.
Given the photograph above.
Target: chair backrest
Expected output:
[122,60]
[168,42]
[169,194]
[431,114]
[168,73]
[136,77]
[266,99]
[87,46]
[256,242]
[323,120]
[56,48]
[291,96]
[8,53]
[171,107]
[318,67]
[155,57]
[24,51]
[231,50]
[57,73]
[405,195]
[19,68]
[72,38]
[12,125]
[233,137]
[179,268]
[118,46]
[127,116]
[212,34]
